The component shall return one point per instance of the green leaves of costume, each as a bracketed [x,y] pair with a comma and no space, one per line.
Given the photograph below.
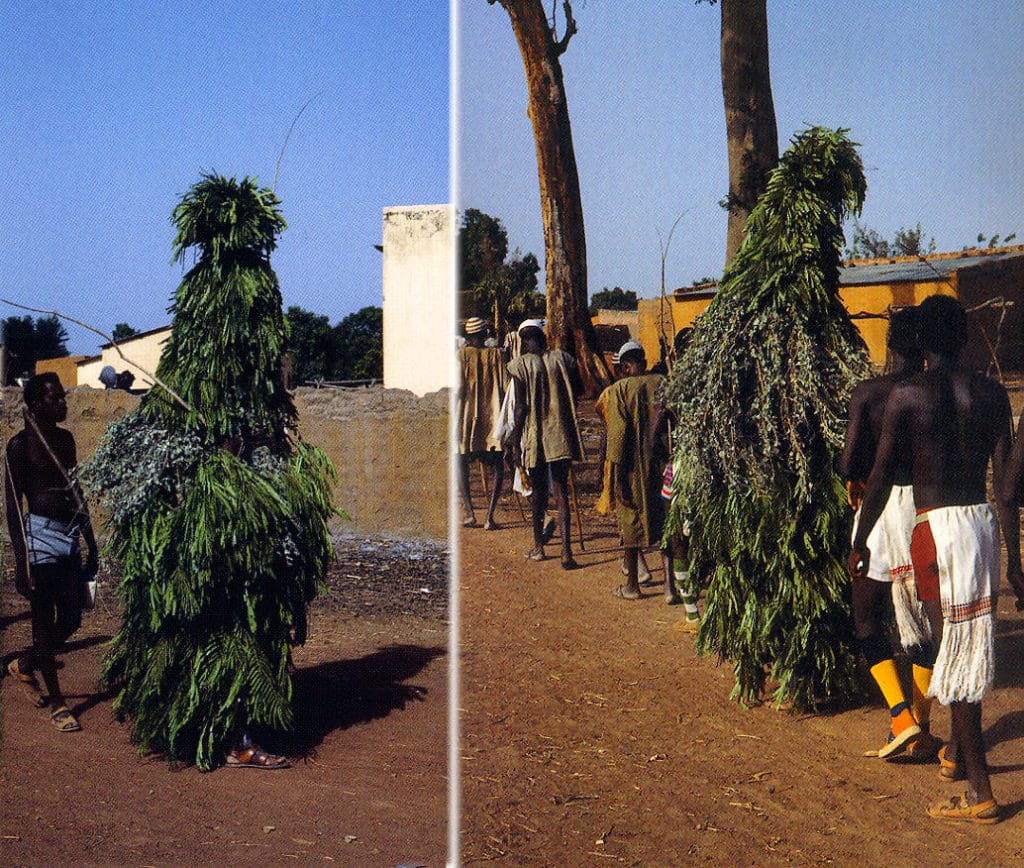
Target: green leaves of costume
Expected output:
[218,519]
[761,395]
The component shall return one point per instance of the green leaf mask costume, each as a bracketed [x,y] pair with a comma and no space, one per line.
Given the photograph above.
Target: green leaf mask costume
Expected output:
[218,519]
[760,395]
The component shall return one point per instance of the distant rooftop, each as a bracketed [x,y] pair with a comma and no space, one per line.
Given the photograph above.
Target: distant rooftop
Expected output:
[895,269]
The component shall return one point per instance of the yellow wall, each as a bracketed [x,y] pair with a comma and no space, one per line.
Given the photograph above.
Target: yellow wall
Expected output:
[872,299]
[66,368]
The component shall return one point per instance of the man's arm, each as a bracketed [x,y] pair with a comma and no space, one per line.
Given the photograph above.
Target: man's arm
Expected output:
[853,448]
[1004,457]
[13,489]
[514,444]
[879,482]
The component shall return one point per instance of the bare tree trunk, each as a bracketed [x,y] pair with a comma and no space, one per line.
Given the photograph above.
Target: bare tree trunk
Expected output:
[752,135]
[565,249]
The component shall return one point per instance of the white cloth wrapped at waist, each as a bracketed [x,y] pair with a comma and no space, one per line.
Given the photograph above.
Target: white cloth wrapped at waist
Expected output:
[968,557]
[49,540]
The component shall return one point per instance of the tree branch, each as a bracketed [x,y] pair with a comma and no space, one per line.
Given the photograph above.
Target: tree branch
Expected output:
[570,29]
[155,380]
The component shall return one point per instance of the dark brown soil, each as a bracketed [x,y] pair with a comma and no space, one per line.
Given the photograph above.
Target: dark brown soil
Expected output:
[369,780]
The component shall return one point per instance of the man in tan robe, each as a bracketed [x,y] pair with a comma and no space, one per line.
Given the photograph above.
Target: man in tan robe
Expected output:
[545,437]
[483,380]
[637,461]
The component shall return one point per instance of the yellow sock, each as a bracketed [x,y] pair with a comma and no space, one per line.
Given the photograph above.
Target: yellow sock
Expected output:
[921,701]
[888,679]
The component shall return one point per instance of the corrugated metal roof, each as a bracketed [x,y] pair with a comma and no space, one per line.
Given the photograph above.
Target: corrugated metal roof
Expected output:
[906,270]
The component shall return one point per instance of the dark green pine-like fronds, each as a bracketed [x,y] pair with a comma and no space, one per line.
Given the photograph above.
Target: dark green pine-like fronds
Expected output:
[761,396]
[224,353]
[220,526]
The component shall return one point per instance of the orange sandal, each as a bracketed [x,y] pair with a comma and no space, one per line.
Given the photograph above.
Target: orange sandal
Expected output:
[949,770]
[958,808]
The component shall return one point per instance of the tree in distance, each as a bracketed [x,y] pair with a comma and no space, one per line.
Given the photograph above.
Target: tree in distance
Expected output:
[613,299]
[122,331]
[28,341]
[496,286]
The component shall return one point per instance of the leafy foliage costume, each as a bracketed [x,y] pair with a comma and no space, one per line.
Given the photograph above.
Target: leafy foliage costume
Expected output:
[761,396]
[218,519]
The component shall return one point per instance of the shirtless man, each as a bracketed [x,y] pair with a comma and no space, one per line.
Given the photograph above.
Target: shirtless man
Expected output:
[947,423]
[545,436]
[47,564]
[889,542]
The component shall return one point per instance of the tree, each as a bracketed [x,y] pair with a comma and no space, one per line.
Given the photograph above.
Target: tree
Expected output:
[613,299]
[309,343]
[218,519]
[760,395]
[28,341]
[565,253]
[358,345]
[483,246]
[990,241]
[496,286]
[122,331]
[869,244]
[750,129]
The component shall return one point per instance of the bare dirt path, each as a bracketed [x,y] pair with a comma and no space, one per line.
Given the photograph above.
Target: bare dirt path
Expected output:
[369,778]
[593,735]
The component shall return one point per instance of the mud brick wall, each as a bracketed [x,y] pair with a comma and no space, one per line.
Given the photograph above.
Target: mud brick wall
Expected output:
[389,448]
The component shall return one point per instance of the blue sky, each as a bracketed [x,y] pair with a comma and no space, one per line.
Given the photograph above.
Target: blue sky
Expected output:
[112,110]
[931,92]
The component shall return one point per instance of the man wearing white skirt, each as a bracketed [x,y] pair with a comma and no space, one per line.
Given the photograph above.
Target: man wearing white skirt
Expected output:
[891,573]
[947,423]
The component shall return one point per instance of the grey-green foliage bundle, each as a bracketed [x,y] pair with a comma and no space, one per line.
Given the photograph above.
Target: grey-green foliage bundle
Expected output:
[760,396]
[218,520]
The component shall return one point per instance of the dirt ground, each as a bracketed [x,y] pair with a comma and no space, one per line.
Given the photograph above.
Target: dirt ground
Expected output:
[368,786]
[592,734]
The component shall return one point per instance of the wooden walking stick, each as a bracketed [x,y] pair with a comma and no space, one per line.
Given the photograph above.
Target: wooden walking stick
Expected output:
[576,506]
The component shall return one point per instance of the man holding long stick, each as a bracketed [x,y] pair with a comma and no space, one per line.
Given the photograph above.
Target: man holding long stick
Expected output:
[45,540]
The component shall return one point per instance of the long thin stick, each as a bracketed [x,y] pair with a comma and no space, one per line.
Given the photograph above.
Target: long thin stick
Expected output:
[155,380]
[576,504]
[295,120]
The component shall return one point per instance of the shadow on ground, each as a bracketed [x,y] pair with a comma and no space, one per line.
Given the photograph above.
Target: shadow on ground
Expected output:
[343,693]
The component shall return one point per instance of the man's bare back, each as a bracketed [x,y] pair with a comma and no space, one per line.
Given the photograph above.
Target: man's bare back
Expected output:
[952,422]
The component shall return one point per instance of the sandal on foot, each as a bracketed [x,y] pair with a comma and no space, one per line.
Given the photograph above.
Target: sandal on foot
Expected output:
[64,720]
[28,684]
[255,758]
[536,554]
[959,808]
[949,770]
[623,593]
